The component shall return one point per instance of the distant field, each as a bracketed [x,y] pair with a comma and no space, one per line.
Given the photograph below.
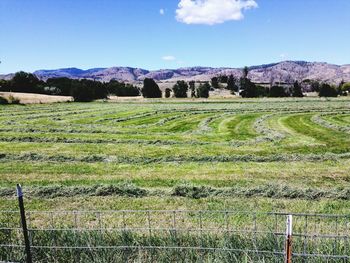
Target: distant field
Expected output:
[29,98]
[262,154]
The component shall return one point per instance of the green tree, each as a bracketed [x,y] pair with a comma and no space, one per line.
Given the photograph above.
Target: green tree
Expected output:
[248,88]
[192,84]
[261,91]
[327,90]
[315,85]
[215,83]
[223,78]
[346,87]
[81,92]
[297,91]
[5,85]
[150,89]
[88,90]
[121,89]
[25,82]
[203,90]
[231,84]
[278,92]
[180,89]
[62,86]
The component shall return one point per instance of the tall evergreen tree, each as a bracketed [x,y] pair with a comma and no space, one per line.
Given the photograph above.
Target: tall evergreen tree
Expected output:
[150,89]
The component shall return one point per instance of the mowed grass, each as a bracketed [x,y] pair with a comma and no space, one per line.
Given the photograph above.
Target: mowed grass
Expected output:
[159,145]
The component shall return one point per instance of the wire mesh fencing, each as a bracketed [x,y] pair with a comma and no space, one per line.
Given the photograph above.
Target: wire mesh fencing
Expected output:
[173,236]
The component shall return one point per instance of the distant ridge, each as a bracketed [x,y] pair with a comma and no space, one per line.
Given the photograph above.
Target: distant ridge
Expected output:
[284,71]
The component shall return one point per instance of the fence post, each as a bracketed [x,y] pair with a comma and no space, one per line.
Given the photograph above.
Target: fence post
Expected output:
[24,223]
[288,249]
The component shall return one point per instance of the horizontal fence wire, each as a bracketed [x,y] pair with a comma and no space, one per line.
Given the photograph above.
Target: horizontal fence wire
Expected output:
[140,235]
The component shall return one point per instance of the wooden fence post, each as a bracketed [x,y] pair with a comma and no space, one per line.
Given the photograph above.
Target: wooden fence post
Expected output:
[288,249]
[24,223]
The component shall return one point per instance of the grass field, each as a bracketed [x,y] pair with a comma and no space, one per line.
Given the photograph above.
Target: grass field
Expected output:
[260,155]
[267,154]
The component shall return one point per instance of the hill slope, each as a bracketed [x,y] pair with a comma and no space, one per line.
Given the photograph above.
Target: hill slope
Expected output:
[285,71]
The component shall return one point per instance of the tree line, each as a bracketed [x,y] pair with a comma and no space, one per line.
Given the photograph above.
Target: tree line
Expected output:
[85,90]
[81,90]
[151,89]
[244,87]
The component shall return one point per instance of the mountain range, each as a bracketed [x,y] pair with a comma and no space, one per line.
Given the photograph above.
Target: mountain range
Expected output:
[285,71]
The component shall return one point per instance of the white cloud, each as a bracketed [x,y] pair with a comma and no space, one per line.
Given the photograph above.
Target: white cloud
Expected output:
[161,11]
[210,12]
[169,58]
[283,56]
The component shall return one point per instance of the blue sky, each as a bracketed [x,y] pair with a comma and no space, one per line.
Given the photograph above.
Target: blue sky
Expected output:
[47,34]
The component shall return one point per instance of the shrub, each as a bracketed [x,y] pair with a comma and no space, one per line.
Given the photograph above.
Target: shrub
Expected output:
[167,93]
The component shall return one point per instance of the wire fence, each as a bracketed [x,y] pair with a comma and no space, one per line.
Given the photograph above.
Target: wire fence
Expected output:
[173,236]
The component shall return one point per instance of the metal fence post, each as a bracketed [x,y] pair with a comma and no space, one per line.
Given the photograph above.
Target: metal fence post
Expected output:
[24,223]
[288,249]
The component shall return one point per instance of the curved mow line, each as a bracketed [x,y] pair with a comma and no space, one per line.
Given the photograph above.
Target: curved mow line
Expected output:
[324,123]
[267,133]
[203,126]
